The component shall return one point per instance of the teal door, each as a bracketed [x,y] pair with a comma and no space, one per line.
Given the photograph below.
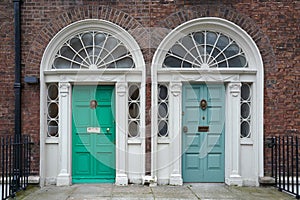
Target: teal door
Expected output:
[203,133]
[93,134]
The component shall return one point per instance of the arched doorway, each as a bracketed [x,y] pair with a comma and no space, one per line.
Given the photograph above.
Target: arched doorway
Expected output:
[207,97]
[92,106]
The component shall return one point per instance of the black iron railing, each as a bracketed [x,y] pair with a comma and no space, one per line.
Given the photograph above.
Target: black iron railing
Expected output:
[285,163]
[15,165]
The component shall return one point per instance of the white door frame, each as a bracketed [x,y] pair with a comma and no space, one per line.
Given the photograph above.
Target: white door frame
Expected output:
[61,145]
[167,169]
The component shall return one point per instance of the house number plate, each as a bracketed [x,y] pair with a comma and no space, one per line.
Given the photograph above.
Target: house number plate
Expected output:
[93,130]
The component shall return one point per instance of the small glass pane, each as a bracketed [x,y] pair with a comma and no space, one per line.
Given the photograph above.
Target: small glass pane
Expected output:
[188,42]
[223,41]
[245,110]
[52,92]
[232,50]
[238,61]
[119,52]
[177,49]
[199,37]
[211,38]
[99,39]
[76,44]
[163,92]
[52,129]
[67,52]
[163,128]
[163,110]
[134,110]
[60,63]
[245,91]
[222,64]
[245,129]
[111,43]
[186,64]
[53,110]
[209,49]
[87,39]
[125,63]
[172,62]
[133,129]
[134,92]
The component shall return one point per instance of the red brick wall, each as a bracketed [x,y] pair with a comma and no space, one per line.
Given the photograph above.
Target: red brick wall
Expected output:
[274,26]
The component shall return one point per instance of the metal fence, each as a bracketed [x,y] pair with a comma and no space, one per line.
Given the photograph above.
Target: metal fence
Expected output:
[15,164]
[285,163]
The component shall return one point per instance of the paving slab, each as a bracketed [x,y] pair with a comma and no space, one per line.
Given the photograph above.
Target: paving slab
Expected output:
[132,192]
[211,191]
[259,193]
[50,192]
[91,191]
[162,192]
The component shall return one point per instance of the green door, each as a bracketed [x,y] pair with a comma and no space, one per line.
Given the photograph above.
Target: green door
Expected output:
[93,134]
[203,133]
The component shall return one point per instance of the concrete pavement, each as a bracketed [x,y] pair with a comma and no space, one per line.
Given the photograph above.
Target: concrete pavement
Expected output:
[134,192]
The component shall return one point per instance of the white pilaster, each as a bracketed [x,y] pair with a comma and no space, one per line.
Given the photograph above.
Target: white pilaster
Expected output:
[175,132]
[121,134]
[63,177]
[233,113]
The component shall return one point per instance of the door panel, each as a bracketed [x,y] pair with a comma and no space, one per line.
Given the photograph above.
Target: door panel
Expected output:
[203,135]
[93,137]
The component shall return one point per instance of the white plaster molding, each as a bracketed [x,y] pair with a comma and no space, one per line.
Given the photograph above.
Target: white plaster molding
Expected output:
[121,179]
[176,179]
[235,88]
[121,135]
[175,133]
[175,88]
[232,145]
[64,175]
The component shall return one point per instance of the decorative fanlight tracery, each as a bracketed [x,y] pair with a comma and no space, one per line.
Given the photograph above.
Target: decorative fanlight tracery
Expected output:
[205,49]
[93,50]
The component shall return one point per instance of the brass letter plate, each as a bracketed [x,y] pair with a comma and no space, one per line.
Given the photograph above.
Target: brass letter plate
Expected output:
[93,130]
[203,128]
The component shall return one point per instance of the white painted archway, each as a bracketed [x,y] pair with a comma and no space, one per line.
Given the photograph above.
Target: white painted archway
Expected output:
[243,156]
[55,152]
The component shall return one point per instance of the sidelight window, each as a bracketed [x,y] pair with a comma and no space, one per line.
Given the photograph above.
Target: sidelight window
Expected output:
[246,105]
[163,110]
[134,110]
[52,110]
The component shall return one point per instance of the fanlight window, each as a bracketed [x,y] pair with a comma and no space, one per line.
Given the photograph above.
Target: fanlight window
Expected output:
[93,50]
[205,49]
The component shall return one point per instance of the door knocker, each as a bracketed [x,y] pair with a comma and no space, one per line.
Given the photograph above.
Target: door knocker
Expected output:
[93,104]
[203,104]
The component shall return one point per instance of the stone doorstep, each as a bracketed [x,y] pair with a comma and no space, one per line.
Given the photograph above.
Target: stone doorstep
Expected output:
[266,180]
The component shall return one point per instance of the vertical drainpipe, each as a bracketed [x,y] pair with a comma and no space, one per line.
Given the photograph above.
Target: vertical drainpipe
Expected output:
[17,85]
[17,88]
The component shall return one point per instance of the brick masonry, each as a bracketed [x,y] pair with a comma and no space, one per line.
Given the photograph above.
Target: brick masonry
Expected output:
[273,25]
